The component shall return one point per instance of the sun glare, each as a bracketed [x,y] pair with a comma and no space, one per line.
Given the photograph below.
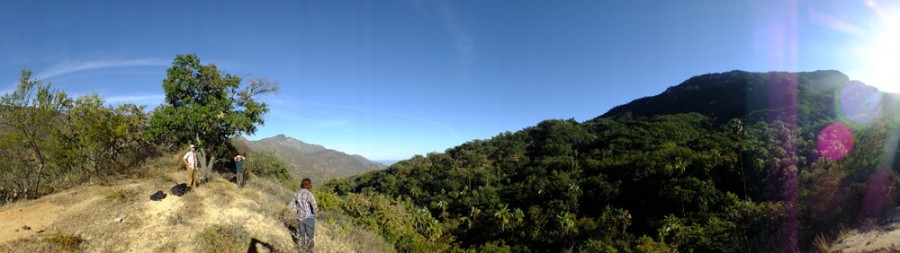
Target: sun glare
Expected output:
[881,66]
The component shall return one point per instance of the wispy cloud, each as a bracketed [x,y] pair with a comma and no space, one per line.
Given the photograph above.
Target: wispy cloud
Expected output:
[838,24]
[74,66]
[332,123]
[68,67]
[342,122]
[465,43]
[325,122]
[140,99]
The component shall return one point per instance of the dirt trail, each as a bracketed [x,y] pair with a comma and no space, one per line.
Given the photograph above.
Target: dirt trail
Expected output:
[28,218]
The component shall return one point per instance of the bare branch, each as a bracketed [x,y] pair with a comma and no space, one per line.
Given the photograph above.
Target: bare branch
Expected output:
[262,85]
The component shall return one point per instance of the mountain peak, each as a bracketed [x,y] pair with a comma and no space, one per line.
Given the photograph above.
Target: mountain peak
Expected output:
[738,94]
[290,142]
[313,160]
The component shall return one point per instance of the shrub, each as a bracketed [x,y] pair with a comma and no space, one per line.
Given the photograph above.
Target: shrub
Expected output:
[224,238]
[494,247]
[64,242]
[117,194]
[647,244]
[266,164]
[327,199]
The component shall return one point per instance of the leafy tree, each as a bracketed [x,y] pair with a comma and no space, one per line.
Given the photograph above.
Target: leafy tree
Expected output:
[97,138]
[503,215]
[32,115]
[267,164]
[205,107]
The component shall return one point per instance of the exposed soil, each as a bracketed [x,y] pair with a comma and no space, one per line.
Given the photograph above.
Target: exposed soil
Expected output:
[28,218]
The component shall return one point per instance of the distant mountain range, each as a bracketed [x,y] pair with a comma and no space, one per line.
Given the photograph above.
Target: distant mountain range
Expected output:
[311,160]
[387,162]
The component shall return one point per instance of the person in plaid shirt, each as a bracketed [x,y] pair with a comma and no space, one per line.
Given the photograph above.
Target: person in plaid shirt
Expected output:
[304,204]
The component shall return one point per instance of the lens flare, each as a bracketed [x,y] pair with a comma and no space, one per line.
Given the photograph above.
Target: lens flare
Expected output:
[879,192]
[859,103]
[835,141]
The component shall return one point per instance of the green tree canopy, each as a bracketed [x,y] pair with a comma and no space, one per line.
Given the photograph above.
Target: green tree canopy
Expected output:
[31,114]
[206,107]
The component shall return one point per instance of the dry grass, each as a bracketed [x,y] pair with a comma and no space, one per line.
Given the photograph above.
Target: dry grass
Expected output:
[821,245]
[118,216]
[46,242]
[224,238]
[192,209]
[871,239]
[344,236]
[269,187]
[273,199]
[64,242]
[118,194]
[167,247]
[160,169]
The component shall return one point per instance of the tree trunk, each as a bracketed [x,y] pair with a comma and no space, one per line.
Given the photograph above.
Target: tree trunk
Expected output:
[37,183]
[201,163]
[209,164]
[743,174]
[41,163]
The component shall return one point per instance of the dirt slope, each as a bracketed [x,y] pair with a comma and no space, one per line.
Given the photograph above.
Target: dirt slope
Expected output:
[881,237]
[119,217]
[884,239]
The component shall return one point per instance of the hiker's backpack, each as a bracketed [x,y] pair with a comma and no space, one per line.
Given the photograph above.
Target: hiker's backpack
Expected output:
[180,189]
[159,195]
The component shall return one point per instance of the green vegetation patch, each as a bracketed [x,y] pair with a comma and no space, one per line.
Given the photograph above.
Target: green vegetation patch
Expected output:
[117,194]
[64,242]
[224,238]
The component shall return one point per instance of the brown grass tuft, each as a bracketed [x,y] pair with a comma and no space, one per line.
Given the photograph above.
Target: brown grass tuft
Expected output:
[231,237]
[118,194]
[64,242]
[821,244]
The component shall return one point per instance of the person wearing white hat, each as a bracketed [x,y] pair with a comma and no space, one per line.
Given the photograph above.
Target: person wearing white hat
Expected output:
[190,160]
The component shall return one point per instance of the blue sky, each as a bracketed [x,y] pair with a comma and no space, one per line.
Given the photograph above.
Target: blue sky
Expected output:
[391,79]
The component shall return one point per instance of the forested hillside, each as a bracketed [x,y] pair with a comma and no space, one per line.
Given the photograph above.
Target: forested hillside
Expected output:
[746,162]
[307,160]
[749,96]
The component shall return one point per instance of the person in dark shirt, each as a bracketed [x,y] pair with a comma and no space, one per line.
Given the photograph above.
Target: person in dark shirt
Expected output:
[239,169]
